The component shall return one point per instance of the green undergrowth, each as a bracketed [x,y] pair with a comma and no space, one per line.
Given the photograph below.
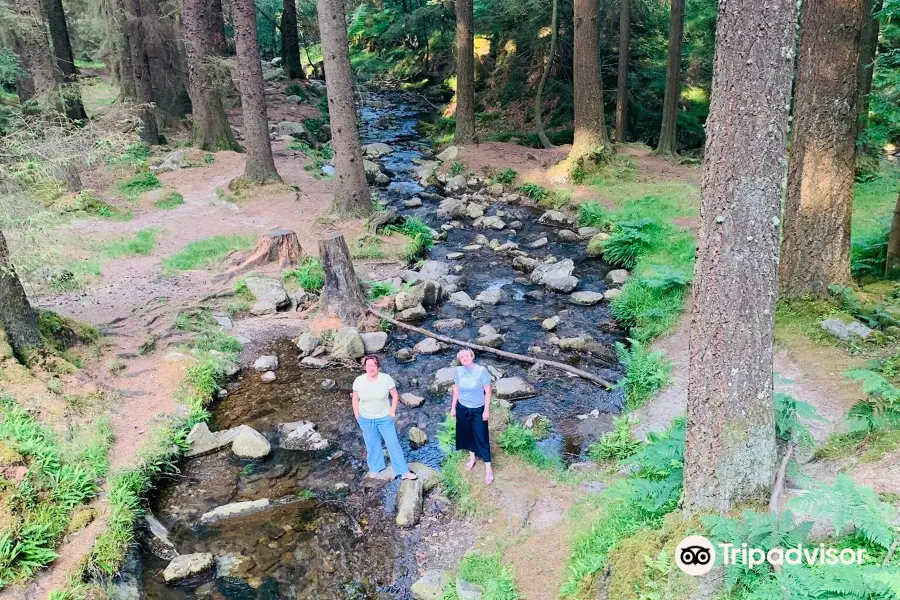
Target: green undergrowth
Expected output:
[517,440]
[367,247]
[381,289]
[169,201]
[309,275]
[645,372]
[488,572]
[62,475]
[87,201]
[137,185]
[141,244]
[421,238]
[452,478]
[617,444]
[201,253]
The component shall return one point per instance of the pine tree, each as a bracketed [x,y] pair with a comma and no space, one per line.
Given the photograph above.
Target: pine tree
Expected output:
[465,72]
[667,140]
[624,53]
[65,62]
[17,318]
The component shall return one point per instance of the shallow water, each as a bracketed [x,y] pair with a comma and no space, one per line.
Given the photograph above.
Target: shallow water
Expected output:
[344,543]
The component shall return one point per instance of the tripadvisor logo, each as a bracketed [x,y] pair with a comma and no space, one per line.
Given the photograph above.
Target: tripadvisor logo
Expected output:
[696,555]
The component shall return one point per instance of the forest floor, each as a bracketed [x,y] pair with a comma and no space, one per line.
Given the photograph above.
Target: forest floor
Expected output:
[135,298]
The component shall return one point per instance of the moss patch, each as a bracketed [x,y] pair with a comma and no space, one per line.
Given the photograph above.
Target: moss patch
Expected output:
[9,457]
[62,333]
[81,519]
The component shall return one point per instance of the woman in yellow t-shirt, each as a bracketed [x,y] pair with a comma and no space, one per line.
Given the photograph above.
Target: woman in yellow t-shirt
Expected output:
[375,402]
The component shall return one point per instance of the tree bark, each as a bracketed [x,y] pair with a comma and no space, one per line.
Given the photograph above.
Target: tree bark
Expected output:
[17,317]
[290,44]
[260,166]
[342,296]
[211,130]
[815,252]
[624,54]
[125,77]
[465,73]
[667,140]
[591,144]
[538,119]
[33,48]
[351,191]
[140,64]
[280,246]
[215,28]
[892,265]
[868,46]
[730,448]
[65,62]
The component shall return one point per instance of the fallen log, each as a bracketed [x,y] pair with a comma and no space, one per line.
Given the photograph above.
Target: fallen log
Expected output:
[510,355]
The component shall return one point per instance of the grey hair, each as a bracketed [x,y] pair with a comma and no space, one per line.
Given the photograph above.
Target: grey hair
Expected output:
[465,351]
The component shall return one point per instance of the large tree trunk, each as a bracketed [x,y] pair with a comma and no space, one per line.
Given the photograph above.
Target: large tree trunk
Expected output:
[538,119]
[124,70]
[591,144]
[815,252]
[260,163]
[215,28]
[624,53]
[342,296]
[290,44]
[730,449]
[17,317]
[211,129]
[140,64]
[168,67]
[33,48]
[868,46]
[892,266]
[351,191]
[65,62]
[667,146]
[465,73]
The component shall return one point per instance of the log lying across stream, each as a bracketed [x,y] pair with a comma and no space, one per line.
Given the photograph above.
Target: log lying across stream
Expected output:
[510,355]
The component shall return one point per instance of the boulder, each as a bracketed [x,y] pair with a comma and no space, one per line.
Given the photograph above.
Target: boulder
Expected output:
[474,211]
[488,336]
[574,344]
[411,400]
[416,313]
[409,502]
[448,324]
[301,435]
[431,585]
[267,362]
[417,437]
[491,296]
[588,232]
[443,380]
[406,300]
[415,202]
[376,150]
[430,478]
[538,243]
[513,388]
[382,179]
[457,183]
[617,277]
[434,270]
[495,190]
[550,323]
[157,539]
[273,74]
[249,443]
[568,236]
[586,298]
[425,171]
[429,346]
[293,129]
[267,377]
[462,300]
[293,99]
[449,153]
[595,245]
[555,276]
[188,566]
[372,170]
[450,208]
[374,341]
[554,218]
[468,591]
[235,509]
[846,331]
[493,222]
[306,343]
[203,441]
[269,293]
[404,355]
[348,344]
[523,263]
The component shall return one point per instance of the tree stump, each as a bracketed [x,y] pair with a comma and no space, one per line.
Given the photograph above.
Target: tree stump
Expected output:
[342,296]
[281,245]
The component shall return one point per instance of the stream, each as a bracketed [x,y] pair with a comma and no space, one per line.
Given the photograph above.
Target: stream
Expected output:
[342,542]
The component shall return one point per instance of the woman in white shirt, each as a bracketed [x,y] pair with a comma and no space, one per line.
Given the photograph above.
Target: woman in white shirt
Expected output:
[375,402]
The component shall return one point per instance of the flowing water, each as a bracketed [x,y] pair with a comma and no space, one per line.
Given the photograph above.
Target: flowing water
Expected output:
[341,542]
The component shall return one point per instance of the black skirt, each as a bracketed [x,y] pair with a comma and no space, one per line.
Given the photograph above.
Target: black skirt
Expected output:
[472,432]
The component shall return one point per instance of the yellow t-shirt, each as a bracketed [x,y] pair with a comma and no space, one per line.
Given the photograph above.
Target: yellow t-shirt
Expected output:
[374,396]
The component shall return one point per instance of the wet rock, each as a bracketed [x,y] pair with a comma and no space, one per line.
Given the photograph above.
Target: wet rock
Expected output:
[515,225]
[417,437]
[157,539]
[595,246]
[588,232]
[376,150]
[481,240]
[450,208]
[406,300]
[535,295]
[491,297]
[372,170]
[348,344]
[586,298]
[612,294]
[462,300]
[449,153]
[431,585]
[269,293]
[301,435]
[249,443]
[128,584]
[267,362]
[554,218]
[449,324]
[574,344]
[468,591]
[550,323]
[429,291]
[457,183]
[429,346]
[203,441]
[228,563]
[328,384]
[409,502]
[617,276]
[425,171]
[411,400]
[556,276]
[443,380]
[233,510]
[523,263]
[470,248]
[404,355]
[455,255]
[382,179]
[267,377]
[495,223]
[434,270]
[315,363]
[568,236]
[306,343]
[416,313]
[488,336]
[538,243]
[514,388]
[415,202]
[474,211]
[430,478]
[188,566]
[846,331]
[374,341]
[506,247]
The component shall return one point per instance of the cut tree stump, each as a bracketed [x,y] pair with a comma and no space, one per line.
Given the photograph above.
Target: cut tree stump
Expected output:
[281,245]
[342,295]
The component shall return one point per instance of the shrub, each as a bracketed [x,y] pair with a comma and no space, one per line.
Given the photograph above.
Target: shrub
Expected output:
[645,372]
[868,255]
[457,168]
[140,183]
[309,275]
[380,289]
[421,237]
[592,214]
[534,191]
[507,176]
[630,239]
[618,444]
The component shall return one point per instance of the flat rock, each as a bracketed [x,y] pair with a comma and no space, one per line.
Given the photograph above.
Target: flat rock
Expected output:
[301,435]
[554,218]
[471,248]
[588,232]
[417,437]
[429,346]
[514,388]
[404,355]
[457,183]
[267,377]
[574,343]
[376,150]
[462,300]
[374,341]
[443,380]
[586,298]
[555,276]
[188,566]
[315,363]
[411,400]
[617,276]
[235,509]
[846,331]
[416,313]
[415,202]
[449,153]
[523,263]
[538,243]
[455,255]
[431,585]
[348,344]
[449,324]
[203,441]
[409,502]
[568,236]
[491,296]
[430,478]
[249,443]
[492,222]
[267,362]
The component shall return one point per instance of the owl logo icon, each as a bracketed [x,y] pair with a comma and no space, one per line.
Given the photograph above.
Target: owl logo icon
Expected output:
[695,555]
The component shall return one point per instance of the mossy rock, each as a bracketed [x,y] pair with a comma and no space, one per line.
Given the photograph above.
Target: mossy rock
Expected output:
[62,333]
[9,457]
[80,519]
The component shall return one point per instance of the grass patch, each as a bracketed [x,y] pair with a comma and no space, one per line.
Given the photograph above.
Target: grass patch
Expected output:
[86,201]
[534,191]
[803,317]
[618,444]
[507,176]
[453,479]
[646,372]
[169,201]
[204,252]
[489,572]
[381,289]
[135,155]
[421,239]
[142,244]
[242,291]
[366,247]
[593,214]
[309,275]
[518,440]
[140,183]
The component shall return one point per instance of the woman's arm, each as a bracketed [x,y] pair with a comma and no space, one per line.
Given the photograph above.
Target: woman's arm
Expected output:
[455,398]
[395,400]
[355,403]
[487,402]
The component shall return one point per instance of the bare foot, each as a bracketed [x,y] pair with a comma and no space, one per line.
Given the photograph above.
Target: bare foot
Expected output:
[488,478]
[410,475]
[471,464]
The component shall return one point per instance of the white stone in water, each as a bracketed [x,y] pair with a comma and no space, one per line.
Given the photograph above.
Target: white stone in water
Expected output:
[514,388]
[550,323]
[265,363]
[538,243]
[235,509]
[554,218]
[491,296]
[409,502]
[586,298]
[470,248]
[249,443]
[411,400]
[417,437]
[462,300]
[428,346]
[443,380]
[454,255]
[186,566]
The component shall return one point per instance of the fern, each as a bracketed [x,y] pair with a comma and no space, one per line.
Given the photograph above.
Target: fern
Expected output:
[630,239]
[656,487]
[618,444]
[788,414]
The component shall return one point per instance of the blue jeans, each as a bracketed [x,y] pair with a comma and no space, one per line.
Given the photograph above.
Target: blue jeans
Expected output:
[375,430]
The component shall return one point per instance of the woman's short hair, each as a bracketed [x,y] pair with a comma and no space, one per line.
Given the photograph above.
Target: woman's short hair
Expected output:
[369,357]
[465,351]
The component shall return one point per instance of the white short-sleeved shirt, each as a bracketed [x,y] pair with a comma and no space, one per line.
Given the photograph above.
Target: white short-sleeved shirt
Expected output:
[374,396]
